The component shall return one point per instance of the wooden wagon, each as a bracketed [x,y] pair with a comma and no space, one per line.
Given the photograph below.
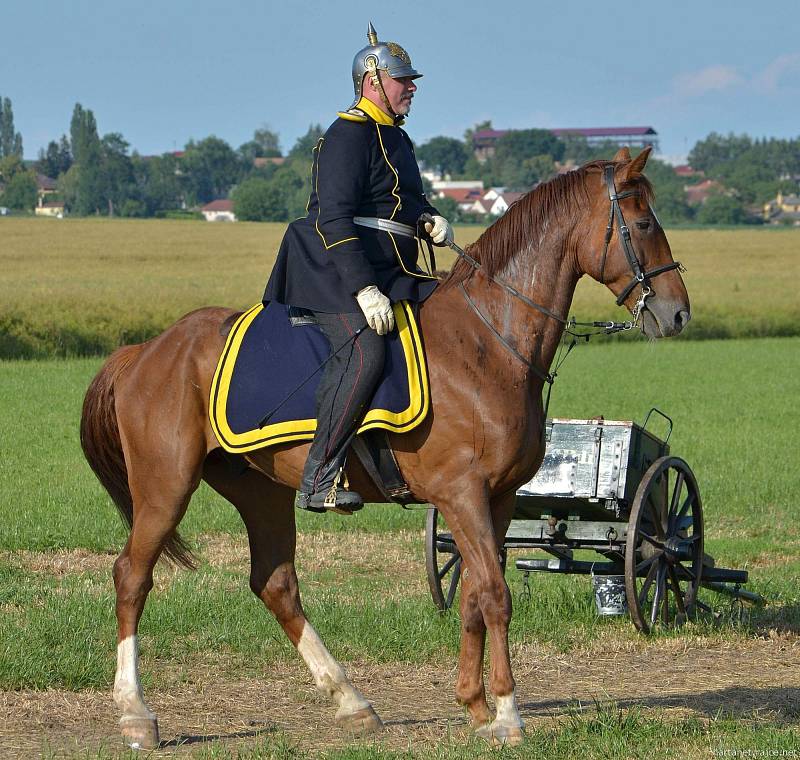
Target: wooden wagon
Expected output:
[613,488]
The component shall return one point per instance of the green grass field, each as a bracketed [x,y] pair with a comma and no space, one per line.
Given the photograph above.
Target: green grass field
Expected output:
[80,287]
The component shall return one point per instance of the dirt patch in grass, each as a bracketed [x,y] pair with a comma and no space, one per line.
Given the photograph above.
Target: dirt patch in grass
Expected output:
[62,562]
[755,680]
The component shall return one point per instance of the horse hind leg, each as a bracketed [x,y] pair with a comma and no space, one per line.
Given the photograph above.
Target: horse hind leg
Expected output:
[160,492]
[267,509]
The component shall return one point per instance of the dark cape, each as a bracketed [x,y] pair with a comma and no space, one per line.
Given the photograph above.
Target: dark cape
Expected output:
[360,168]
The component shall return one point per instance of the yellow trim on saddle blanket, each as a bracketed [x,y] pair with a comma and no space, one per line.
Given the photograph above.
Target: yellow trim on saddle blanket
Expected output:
[303,430]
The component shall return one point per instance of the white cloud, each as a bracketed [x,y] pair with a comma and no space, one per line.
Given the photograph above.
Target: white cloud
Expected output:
[710,79]
[775,74]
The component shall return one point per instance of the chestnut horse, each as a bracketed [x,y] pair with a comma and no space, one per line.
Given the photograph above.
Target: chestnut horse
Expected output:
[146,433]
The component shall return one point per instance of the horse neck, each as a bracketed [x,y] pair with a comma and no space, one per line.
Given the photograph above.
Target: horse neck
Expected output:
[547,275]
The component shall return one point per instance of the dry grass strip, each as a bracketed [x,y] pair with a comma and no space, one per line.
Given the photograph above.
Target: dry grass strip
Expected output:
[757,680]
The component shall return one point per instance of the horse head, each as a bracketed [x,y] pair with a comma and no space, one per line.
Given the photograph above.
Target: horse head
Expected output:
[628,250]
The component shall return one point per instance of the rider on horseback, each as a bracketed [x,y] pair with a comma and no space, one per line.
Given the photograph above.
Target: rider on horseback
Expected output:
[355,253]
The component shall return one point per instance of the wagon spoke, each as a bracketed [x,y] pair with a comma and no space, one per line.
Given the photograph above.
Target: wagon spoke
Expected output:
[451,592]
[655,542]
[673,505]
[447,565]
[686,504]
[657,524]
[659,593]
[646,585]
[677,587]
[646,563]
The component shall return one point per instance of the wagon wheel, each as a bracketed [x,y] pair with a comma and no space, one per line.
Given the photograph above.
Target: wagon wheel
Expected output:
[664,549]
[443,561]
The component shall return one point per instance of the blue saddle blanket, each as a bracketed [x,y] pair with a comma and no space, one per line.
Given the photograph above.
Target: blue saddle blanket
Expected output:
[264,365]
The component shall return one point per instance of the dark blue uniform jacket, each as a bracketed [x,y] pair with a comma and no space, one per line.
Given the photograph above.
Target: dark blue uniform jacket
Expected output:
[360,168]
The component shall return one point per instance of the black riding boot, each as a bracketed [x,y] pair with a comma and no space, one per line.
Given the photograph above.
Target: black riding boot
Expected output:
[328,494]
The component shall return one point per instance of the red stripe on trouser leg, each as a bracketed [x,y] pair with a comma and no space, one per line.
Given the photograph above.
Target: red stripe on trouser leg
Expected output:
[332,436]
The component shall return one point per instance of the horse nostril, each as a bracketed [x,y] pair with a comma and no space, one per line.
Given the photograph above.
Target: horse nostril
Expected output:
[682,319]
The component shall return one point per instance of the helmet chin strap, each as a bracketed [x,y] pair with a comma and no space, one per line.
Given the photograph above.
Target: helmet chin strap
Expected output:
[375,79]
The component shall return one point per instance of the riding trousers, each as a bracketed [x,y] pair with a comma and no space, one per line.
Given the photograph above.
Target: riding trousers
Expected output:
[346,388]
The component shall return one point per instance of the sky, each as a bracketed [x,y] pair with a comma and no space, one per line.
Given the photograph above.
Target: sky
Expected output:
[164,71]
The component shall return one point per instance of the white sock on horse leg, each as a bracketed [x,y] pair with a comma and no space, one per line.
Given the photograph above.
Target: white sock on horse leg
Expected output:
[328,674]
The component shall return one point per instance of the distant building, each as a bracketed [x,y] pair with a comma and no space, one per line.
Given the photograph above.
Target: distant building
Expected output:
[260,161]
[44,186]
[698,194]
[684,170]
[52,208]
[219,211]
[484,140]
[784,209]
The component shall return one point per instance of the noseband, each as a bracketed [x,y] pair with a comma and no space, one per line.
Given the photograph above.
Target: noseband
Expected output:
[640,276]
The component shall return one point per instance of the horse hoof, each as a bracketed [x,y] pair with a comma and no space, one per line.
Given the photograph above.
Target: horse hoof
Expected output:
[498,734]
[364,721]
[140,733]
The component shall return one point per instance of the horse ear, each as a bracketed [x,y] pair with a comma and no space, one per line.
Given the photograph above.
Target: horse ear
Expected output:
[636,167]
[623,154]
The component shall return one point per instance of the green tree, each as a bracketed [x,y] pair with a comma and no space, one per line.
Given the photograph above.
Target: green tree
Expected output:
[20,192]
[479,127]
[523,175]
[721,209]
[578,149]
[718,149]
[116,171]
[265,144]
[305,144]
[259,200]
[670,202]
[445,155]
[448,208]
[87,153]
[10,141]
[210,168]
[519,144]
[9,166]
[158,182]
[56,159]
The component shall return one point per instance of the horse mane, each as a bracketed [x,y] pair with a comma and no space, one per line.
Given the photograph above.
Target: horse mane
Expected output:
[555,202]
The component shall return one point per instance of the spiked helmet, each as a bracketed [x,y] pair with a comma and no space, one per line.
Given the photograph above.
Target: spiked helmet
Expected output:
[377,57]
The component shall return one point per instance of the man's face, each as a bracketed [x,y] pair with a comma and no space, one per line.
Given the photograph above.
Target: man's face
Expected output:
[399,93]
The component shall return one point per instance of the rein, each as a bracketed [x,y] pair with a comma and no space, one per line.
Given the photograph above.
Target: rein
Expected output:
[640,277]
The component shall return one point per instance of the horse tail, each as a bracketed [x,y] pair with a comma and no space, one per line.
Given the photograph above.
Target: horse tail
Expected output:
[102,446]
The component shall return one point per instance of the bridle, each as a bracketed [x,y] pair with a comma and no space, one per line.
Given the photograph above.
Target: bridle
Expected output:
[641,277]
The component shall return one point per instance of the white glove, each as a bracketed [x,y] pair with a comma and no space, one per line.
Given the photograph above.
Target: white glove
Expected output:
[377,309]
[441,231]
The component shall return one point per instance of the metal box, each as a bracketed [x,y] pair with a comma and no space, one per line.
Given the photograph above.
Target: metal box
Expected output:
[589,468]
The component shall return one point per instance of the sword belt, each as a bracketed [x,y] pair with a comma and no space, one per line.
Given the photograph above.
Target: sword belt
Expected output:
[387,225]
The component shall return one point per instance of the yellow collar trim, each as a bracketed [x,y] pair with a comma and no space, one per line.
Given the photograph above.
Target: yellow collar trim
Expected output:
[375,113]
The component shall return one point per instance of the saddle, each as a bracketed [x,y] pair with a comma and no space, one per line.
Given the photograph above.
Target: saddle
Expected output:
[264,387]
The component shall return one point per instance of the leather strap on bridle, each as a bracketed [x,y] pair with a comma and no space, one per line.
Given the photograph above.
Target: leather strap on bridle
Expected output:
[640,276]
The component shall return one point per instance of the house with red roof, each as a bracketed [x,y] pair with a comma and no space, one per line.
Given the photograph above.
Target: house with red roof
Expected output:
[220,210]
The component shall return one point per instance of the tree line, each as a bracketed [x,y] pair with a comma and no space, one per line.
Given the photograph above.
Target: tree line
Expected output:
[101,175]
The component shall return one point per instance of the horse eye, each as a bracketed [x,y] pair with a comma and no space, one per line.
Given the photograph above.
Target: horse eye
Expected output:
[643,224]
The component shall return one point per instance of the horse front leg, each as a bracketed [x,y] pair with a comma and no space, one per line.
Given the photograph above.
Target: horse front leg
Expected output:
[470,690]
[479,530]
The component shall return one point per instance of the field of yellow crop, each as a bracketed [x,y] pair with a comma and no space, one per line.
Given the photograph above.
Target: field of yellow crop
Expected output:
[83,286]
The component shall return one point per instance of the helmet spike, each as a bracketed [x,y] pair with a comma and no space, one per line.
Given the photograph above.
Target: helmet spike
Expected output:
[372,35]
